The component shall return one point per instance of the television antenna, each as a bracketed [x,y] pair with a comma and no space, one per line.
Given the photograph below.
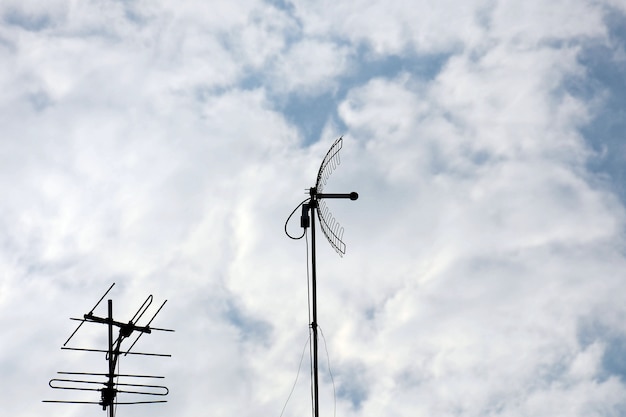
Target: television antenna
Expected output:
[113,383]
[333,231]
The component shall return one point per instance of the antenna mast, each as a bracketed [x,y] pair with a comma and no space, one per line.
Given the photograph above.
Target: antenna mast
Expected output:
[111,385]
[333,232]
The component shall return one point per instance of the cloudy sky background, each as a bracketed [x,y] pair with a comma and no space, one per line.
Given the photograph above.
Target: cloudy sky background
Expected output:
[162,145]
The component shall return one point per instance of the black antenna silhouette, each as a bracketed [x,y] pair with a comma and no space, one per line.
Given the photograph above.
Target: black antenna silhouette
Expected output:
[331,229]
[110,385]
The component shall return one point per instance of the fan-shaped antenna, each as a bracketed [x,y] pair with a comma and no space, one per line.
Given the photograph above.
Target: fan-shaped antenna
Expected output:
[331,229]
[329,225]
[330,162]
[111,384]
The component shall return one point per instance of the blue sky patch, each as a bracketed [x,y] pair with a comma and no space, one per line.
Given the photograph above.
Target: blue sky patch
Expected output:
[33,22]
[353,385]
[614,356]
[312,112]
[606,72]
[249,327]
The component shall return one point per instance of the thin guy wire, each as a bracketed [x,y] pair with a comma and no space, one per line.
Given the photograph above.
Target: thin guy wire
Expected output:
[330,373]
[308,340]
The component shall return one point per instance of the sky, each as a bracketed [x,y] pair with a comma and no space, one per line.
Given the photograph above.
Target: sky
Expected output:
[161,146]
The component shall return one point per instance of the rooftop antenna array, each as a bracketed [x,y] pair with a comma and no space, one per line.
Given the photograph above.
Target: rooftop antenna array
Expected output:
[112,383]
[332,230]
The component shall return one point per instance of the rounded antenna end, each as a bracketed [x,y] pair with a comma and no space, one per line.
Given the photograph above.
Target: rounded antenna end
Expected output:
[354,196]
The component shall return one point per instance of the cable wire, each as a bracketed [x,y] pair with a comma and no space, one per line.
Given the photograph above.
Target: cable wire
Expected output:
[308,294]
[308,274]
[291,215]
[117,381]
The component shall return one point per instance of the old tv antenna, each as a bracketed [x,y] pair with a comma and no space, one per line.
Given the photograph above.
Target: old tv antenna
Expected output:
[331,229]
[113,383]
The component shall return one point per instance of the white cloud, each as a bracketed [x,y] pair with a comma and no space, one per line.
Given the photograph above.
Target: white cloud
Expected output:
[310,67]
[398,26]
[141,144]
[531,23]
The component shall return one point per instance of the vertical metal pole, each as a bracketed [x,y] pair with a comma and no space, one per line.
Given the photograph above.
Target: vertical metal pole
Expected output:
[111,361]
[313,205]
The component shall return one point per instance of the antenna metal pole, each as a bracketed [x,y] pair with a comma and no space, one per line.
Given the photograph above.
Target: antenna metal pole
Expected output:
[313,206]
[333,232]
[109,392]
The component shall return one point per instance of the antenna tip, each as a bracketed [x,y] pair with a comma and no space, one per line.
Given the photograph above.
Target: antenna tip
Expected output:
[354,196]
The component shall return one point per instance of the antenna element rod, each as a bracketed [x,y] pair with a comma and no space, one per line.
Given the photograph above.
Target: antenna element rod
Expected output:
[352,196]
